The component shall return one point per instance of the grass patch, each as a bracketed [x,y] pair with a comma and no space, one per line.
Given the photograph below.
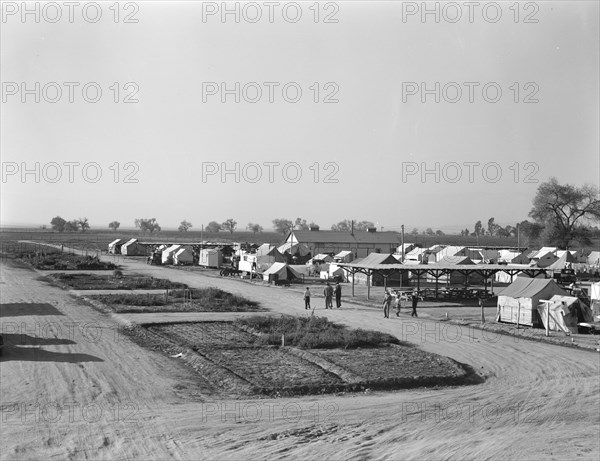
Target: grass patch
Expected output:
[314,333]
[103,282]
[202,300]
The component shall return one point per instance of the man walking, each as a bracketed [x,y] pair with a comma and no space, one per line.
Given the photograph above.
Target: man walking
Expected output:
[415,301]
[338,295]
[328,292]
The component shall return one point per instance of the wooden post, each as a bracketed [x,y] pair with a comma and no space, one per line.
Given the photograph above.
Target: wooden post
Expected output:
[518,313]
[353,275]
[369,284]
[547,319]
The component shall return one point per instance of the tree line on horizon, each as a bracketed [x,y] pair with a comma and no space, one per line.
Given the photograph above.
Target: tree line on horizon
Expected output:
[560,215]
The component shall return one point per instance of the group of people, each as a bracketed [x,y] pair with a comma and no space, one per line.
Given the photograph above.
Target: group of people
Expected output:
[329,292]
[387,303]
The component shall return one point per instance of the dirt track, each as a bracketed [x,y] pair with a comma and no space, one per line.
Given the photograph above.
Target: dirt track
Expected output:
[103,397]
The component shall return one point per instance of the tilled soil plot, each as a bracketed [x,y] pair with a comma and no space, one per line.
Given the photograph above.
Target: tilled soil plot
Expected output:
[269,368]
[206,335]
[393,364]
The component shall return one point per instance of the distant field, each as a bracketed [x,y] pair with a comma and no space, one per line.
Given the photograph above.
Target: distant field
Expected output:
[99,239]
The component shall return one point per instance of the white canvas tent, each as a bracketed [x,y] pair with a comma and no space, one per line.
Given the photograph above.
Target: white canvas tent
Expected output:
[133,248]
[114,247]
[167,254]
[183,256]
[518,302]
[280,271]
[593,258]
[565,312]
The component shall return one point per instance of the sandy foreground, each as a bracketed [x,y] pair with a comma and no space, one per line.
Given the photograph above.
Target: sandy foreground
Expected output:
[75,387]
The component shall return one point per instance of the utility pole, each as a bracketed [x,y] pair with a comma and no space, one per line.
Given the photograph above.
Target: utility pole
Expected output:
[402,260]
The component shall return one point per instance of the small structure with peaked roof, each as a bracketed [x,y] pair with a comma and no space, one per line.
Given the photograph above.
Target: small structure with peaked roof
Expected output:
[518,302]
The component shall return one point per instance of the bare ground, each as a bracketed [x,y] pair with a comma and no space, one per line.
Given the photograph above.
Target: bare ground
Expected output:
[100,396]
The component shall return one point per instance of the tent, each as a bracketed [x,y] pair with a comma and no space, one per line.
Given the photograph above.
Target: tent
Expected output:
[565,313]
[133,248]
[114,247]
[320,258]
[503,277]
[167,254]
[344,257]
[518,302]
[559,262]
[183,256]
[280,271]
[595,291]
[593,258]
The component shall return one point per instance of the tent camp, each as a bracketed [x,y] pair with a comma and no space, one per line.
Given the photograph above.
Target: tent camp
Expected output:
[280,271]
[133,248]
[518,302]
[114,247]
[565,312]
[183,256]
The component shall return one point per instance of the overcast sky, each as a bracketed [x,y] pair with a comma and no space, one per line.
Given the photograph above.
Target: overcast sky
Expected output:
[360,155]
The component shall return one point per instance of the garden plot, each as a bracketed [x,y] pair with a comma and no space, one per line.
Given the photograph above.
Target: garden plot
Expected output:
[245,359]
[192,300]
[111,282]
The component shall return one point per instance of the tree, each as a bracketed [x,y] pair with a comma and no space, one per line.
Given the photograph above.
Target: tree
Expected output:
[301,224]
[283,226]
[478,228]
[229,225]
[146,224]
[429,231]
[184,226]
[114,225]
[531,231]
[71,226]
[254,228]
[415,231]
[314,225]
[439,233]
[213,227]
[83,224]
[346,225]
[564,211]
[492,226]
[58,224]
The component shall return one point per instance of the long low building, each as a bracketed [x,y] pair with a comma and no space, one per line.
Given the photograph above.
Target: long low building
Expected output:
[360,243]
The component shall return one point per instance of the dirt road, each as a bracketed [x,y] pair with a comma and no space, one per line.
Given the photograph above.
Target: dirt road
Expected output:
[102,397]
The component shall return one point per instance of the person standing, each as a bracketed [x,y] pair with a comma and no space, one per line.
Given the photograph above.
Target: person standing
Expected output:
[387,300]
[307,298]
[338,295]
[415,301]
[328,292]
[398,304]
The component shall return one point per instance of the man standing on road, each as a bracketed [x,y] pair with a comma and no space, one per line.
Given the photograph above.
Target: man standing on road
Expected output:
[398,304]
[328,292]
[338,295]
[415,301]
[307,298]
[387,300]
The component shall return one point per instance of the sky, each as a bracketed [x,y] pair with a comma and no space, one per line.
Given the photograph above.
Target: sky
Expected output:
[324,111]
